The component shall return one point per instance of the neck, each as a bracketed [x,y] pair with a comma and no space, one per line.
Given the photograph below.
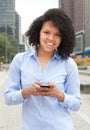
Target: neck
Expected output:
[45,55]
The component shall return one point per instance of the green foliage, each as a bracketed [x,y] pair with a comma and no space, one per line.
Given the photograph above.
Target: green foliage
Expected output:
[9,46]
[82,67]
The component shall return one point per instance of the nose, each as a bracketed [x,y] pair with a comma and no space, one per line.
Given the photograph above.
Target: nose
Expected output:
[51,37]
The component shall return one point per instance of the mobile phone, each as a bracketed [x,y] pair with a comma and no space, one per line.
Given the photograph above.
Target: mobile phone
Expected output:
[47,86]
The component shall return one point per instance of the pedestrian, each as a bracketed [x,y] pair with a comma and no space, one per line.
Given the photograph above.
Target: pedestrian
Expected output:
[45,80]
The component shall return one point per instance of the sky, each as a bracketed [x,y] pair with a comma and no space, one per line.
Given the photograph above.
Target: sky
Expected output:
[31,9]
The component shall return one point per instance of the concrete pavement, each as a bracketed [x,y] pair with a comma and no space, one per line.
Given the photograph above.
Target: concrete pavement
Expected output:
[10,116]
[85,80]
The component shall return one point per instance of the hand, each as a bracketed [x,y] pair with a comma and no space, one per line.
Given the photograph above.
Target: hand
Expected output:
[31,90]
[52,92]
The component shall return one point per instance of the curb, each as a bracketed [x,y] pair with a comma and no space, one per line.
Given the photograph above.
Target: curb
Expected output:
[84,72]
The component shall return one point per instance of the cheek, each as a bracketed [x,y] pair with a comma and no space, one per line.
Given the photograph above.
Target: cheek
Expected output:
[59,42]
[41,38]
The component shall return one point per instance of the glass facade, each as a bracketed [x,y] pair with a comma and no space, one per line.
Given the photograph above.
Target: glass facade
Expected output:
[7,16]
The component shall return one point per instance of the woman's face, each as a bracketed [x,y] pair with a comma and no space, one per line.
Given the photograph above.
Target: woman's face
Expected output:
[50,37]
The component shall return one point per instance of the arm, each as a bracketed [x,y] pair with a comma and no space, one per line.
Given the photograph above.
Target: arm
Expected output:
[13,93]
[72,99]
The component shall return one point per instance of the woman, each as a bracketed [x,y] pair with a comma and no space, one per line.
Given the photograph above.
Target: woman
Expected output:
[46,80]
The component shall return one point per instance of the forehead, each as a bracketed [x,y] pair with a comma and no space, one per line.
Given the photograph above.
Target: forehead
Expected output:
[49,24]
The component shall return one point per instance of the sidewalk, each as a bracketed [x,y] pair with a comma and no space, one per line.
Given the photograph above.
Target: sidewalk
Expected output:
[10,116]
[82,117]
[85,72]
[85,80]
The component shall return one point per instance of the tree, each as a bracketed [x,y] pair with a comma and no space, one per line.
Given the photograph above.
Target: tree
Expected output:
[8,47]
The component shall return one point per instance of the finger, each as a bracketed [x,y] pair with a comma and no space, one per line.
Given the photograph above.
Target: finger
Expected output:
[44,89]
[45,93]
[52,85]
[38,82]
[36,85]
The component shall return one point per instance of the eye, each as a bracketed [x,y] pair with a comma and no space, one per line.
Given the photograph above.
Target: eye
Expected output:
[58,34]
[46,32]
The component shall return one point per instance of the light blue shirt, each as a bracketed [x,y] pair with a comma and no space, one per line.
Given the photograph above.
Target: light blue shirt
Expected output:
[43,112]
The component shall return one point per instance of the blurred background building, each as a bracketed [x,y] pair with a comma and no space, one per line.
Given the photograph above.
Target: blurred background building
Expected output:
[10,21]
[79,12]
[7,16]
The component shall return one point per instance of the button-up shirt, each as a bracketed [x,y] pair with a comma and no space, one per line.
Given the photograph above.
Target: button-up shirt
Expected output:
[44,112]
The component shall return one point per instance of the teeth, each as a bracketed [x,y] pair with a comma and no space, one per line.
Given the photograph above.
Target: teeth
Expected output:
[51,44]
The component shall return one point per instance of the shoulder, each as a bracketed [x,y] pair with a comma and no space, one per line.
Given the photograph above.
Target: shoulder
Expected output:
[71,65]
[20,58]
[71,62]
[23,55]
[68,62]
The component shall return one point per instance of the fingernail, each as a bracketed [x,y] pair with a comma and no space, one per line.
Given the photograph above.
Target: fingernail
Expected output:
[37,85]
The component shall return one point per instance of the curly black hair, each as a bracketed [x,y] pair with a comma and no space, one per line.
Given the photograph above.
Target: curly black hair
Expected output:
[59,19]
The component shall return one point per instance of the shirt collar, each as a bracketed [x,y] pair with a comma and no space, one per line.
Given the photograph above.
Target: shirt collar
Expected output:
[34,54]
[56,55]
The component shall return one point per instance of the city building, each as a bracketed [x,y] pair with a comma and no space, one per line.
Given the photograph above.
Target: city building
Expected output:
[7,16]
[10,21]
[25,42]
[79,12]
[18,34]
[87,25]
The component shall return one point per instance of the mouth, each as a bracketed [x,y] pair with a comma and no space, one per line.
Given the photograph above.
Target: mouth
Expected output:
[50,44]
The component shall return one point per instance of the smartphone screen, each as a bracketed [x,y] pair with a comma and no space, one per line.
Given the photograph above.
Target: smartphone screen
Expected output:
[45,86]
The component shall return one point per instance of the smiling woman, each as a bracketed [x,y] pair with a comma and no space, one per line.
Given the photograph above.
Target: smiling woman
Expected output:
[45,79]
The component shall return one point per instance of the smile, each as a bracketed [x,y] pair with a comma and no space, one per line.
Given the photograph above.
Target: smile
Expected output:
[50,44]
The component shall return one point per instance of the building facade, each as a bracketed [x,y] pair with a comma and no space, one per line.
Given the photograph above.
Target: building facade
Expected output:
[87,24]
[79,12]
[10,21]
[7,16]
[18,28]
